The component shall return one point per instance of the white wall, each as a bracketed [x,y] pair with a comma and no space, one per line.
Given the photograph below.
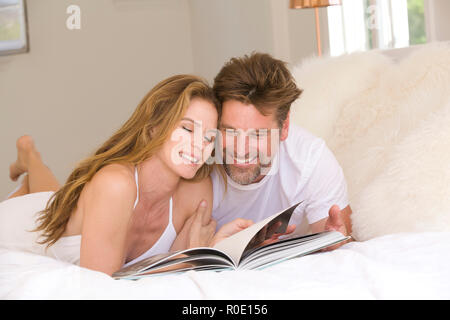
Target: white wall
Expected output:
[302,33]
[74,88]
[224,29]
[437,13]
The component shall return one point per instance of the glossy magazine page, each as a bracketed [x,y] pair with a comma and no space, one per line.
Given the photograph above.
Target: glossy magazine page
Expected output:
[289,248]
[254,236]
[173,261]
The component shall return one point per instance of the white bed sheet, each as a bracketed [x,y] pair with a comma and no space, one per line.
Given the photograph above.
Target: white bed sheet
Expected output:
[397,266]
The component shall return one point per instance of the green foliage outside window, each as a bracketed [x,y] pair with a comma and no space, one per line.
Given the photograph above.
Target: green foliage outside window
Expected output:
[416,21]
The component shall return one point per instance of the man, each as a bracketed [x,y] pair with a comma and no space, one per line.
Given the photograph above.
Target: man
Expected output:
[269,163]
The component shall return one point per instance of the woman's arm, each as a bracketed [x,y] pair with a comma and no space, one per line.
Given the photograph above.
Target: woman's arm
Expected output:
[107,208]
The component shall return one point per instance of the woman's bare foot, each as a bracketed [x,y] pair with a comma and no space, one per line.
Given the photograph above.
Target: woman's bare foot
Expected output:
[21,190]
[25,150]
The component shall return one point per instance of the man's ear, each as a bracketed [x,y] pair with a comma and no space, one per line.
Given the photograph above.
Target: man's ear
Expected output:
[285,128]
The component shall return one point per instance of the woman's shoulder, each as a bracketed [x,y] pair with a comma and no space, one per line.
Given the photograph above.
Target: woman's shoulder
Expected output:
[106,201]
[114,180]
[199,188]
[118,175]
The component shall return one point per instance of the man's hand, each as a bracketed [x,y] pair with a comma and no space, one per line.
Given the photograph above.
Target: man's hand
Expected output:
[263,237]
[229,229]
[335,222]
[268,235]
[338,220]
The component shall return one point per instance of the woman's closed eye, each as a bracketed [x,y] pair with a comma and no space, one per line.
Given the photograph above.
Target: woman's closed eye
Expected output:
[208,139]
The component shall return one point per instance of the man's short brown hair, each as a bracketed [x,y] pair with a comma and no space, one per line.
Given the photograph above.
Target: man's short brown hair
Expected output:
[260,80]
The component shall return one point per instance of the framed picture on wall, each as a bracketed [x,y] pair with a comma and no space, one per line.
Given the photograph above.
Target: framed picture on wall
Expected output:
[13,27]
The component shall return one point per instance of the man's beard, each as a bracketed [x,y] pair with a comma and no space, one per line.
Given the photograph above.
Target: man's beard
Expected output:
[243,176]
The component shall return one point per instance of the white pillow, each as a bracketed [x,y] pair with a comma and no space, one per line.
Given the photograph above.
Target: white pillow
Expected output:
[18,218]
[413,191]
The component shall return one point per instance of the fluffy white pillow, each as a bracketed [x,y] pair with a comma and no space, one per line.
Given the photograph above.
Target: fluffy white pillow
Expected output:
[372,113]
[413,191]
[331,84]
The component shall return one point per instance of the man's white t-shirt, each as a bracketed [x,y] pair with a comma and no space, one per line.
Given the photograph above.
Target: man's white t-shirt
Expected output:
[304,169]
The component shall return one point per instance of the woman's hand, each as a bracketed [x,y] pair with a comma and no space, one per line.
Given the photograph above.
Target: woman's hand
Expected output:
[202,227]
[229,229]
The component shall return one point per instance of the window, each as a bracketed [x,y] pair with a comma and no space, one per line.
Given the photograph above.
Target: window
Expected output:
[359,25]
[416,22]
[13,30]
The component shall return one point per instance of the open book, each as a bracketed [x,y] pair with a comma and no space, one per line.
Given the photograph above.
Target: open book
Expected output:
[252,248]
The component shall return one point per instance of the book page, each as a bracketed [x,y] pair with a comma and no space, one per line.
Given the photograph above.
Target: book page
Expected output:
[247,239]
[272,255]
[172,258]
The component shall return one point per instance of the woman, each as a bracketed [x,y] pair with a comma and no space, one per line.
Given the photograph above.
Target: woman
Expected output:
[139,194]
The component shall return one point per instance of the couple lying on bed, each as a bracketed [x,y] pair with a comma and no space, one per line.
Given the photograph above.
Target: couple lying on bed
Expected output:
[192,166]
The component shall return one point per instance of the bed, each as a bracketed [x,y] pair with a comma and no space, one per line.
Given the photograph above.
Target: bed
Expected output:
[396,266]
[387,123]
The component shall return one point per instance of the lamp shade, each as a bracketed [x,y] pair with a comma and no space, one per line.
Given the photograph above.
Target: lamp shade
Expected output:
[304,4]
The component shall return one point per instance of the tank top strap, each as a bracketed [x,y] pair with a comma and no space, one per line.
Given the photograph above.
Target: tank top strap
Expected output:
[170,211]
[137,187]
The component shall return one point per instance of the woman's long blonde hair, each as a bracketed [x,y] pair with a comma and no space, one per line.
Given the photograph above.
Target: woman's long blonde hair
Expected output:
[162,108]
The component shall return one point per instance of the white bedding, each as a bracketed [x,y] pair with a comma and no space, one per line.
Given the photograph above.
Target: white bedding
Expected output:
[397,266]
